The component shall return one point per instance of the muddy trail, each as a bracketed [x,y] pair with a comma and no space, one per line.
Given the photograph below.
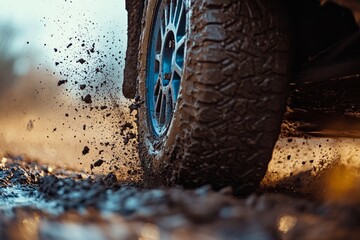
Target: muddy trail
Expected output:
[39,202]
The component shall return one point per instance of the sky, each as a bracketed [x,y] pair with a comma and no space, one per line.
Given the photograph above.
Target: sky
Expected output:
[54,22]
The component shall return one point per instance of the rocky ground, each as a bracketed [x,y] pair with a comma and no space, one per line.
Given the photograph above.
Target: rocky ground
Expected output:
[39,202]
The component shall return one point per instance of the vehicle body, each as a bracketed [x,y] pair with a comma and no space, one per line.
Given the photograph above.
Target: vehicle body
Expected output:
[313,41]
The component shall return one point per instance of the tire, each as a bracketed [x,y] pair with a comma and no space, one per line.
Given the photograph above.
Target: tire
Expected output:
[221,127]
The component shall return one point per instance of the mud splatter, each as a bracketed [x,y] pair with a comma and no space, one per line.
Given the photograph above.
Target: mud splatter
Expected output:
[86,150]
[89,58]
[61,82]
[99,162]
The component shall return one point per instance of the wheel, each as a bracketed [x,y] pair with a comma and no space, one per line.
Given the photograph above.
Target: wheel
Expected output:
[213,79]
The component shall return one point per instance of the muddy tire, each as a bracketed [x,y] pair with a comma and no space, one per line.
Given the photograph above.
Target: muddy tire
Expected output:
[219,126]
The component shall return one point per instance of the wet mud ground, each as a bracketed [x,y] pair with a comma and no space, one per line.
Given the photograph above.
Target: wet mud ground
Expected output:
[39,201]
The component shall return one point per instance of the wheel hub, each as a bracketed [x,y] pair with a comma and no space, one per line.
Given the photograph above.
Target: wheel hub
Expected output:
[165,64]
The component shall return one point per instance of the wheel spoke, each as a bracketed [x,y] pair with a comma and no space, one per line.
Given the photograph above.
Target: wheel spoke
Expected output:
[175,91]
[178,12]
[162,109]
[166,15]
[162,30]
[181,23]
[178,69]
[158,102]
[180,42]
[157,88]
[171,11]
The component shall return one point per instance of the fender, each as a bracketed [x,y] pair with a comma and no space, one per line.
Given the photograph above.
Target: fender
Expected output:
[135,10]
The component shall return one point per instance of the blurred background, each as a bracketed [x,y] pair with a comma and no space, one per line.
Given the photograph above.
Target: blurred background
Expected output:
[61,67]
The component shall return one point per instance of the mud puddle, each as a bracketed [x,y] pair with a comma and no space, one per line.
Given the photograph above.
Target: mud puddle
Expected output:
[24,196]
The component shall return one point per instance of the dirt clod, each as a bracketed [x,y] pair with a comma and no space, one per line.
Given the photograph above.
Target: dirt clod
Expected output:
[61,82]
[99,162]
[86,150]
[87,99]
[81,60]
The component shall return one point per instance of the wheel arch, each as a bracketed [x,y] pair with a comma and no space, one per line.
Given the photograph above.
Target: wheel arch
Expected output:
[135,10]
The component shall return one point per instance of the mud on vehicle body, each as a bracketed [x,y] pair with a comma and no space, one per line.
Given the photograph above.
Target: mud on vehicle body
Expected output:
[211,78]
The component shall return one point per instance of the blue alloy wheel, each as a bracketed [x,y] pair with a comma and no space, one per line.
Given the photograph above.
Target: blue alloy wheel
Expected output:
[166,56]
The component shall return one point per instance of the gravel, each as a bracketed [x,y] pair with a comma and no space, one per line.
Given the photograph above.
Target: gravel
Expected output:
[39,202]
